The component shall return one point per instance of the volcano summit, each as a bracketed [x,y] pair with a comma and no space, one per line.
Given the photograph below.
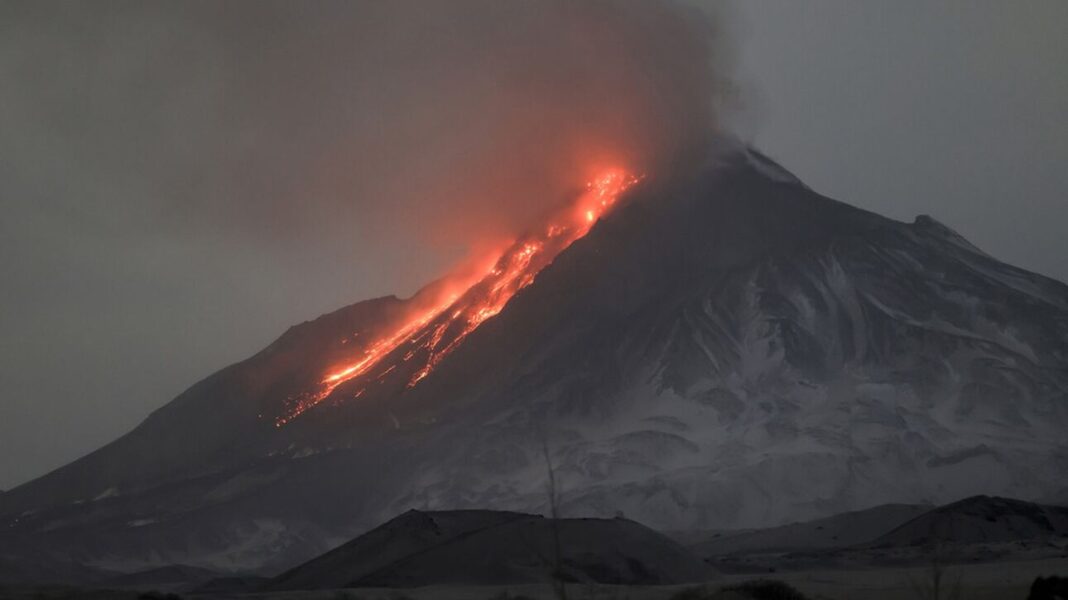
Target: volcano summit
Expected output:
[723,348]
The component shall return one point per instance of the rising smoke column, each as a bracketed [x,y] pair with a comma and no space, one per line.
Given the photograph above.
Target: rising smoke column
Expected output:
[449,125]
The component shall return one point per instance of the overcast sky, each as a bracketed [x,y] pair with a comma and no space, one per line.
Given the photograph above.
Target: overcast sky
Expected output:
[182,182]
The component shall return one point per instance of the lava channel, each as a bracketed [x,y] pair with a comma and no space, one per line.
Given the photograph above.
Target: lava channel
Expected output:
[431,334]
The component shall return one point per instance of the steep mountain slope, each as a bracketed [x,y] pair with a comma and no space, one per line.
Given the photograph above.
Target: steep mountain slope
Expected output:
[726,348]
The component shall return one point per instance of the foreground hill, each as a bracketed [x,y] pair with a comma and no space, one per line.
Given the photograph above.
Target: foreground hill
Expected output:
[980,520]
[725,348]
[481,547]
[972,521]
[980,529]
[840,531]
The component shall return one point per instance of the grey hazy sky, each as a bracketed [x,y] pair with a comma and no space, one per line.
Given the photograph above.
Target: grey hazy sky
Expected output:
[182,181]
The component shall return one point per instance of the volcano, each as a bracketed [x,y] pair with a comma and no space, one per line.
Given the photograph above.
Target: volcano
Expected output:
[717,346]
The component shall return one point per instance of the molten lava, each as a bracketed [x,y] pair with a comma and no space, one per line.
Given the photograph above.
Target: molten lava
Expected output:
[431,334]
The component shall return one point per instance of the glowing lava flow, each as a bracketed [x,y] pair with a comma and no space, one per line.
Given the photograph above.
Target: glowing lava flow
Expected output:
[432,333]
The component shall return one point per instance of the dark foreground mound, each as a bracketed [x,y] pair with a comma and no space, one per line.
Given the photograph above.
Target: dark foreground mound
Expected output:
[1049,588]
[842,530]
[975,520]
[978,520]
[980,529]
[169,577]
[491,548]
[750,590]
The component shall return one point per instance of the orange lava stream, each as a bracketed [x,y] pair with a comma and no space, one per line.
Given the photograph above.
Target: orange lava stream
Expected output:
[433,333]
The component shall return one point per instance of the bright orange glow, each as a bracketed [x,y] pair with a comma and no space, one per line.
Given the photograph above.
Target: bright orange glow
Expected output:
[431,334]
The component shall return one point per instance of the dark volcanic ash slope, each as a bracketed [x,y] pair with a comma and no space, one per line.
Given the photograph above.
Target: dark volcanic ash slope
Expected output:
[725,349]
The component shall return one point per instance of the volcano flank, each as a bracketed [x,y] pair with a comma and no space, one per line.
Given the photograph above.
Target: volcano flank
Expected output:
[724,347]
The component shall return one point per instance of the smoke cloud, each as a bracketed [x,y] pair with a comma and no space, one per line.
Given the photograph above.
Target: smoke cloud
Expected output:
[432,121]
[182,180]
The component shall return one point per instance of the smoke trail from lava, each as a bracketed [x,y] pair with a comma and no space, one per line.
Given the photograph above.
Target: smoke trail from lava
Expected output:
[440,123]
[364,129]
